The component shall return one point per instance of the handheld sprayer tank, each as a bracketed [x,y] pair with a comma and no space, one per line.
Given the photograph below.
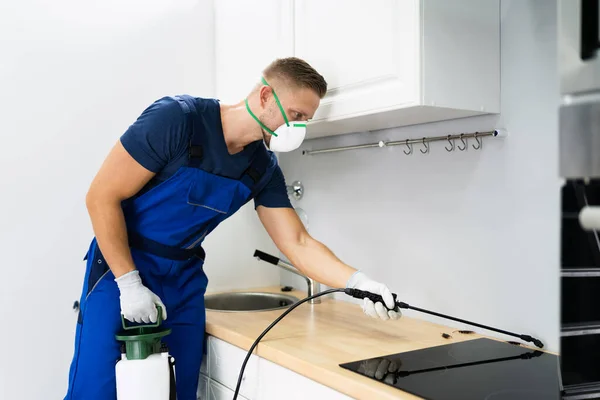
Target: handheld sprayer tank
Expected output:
[145,370]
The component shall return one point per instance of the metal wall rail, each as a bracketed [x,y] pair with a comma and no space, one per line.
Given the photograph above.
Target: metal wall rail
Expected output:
[424,141]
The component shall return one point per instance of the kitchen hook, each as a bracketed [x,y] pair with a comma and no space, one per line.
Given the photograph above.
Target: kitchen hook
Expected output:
[426,147]
[479,142]
[410,150]
[451,144]
[464,142]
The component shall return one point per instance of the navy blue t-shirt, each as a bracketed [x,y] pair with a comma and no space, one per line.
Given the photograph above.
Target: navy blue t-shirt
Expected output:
[159,141]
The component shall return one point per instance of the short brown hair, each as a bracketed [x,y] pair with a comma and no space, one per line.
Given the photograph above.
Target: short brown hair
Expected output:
[299,72]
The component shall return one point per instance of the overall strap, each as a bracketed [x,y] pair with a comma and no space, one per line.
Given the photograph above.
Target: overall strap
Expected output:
[256,169]
[259,172]
[195,150]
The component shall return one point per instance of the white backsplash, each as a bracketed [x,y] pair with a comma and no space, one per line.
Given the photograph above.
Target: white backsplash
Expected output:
[229,253]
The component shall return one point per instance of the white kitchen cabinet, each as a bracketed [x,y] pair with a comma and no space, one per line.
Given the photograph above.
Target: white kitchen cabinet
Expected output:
[249,35]
[388,63]
[216,391]
[277,382]
[224,363]
[400,62]
[263,379]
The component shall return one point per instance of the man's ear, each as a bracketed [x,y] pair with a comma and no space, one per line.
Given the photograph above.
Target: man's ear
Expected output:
[264,94]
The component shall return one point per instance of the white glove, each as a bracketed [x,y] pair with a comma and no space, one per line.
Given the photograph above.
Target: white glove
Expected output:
[138,303]
[376,310]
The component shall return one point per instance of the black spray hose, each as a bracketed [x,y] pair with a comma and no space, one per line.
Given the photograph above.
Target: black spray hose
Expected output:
[239,382]
[361,294]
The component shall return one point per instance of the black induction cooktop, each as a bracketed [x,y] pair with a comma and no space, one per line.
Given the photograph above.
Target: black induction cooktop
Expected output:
[478,369]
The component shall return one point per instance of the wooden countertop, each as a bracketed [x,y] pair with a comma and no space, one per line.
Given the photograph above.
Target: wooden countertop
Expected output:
[314,339]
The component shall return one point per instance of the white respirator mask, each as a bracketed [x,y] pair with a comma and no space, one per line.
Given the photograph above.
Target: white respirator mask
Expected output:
[287,137]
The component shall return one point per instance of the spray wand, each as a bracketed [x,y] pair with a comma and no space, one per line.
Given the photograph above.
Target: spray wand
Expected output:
[360,294]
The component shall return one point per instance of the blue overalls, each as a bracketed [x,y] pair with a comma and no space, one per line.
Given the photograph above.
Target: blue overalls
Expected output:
[166,227]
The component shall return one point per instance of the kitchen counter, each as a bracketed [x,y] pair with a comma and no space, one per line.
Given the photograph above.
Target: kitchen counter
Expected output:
[314,339]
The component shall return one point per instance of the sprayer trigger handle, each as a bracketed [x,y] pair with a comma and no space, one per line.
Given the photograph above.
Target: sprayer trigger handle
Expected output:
[154,325]
[375,298]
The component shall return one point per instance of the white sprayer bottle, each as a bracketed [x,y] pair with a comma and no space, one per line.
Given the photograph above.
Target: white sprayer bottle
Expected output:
[146,370]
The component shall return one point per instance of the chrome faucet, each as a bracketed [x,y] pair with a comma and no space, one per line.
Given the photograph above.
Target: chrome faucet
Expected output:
[296,189]
[314,287]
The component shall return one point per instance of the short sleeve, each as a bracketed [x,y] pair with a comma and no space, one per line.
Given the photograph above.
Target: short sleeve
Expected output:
[274,194]
[158,135]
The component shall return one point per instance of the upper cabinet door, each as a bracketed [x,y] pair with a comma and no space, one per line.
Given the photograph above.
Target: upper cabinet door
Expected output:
[248,36]
[367,51]
[400,62]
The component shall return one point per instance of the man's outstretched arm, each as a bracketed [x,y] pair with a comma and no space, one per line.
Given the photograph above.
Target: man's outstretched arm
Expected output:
[316,261]
[310,256]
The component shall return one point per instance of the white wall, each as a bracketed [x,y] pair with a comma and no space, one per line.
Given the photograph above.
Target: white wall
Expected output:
[229,261]
[473,234]
[73,76]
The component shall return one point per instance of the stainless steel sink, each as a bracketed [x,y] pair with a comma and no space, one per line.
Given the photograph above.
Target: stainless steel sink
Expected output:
[248,301]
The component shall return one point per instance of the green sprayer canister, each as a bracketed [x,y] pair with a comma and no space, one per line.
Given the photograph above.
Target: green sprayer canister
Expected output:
[145,369]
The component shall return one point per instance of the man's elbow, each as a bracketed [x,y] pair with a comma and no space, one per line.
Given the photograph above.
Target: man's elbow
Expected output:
[303,238]
[96,199]
[295,247]
[297,242]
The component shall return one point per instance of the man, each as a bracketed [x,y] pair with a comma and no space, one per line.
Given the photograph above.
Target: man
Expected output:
[183,167]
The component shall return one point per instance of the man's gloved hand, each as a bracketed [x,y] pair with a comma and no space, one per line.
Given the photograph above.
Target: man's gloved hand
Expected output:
[138,303]
[376,310]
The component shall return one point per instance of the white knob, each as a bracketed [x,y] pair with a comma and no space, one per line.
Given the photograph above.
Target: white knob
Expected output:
[589,218]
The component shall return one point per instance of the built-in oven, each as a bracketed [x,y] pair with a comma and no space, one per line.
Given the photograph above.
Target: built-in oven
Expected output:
[579,70]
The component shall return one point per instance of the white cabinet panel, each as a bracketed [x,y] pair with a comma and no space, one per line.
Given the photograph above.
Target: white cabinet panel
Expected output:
[249,35]
[216,391]
[202,392]
[263,379]
[225,361]
[369,57]
[320,41]
[277,382]
[204,365]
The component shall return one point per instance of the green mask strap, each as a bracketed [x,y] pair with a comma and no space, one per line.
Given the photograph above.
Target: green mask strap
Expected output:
[277,101]
[258,120]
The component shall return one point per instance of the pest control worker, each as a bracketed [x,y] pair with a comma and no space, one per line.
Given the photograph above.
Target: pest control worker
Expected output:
[185,165]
